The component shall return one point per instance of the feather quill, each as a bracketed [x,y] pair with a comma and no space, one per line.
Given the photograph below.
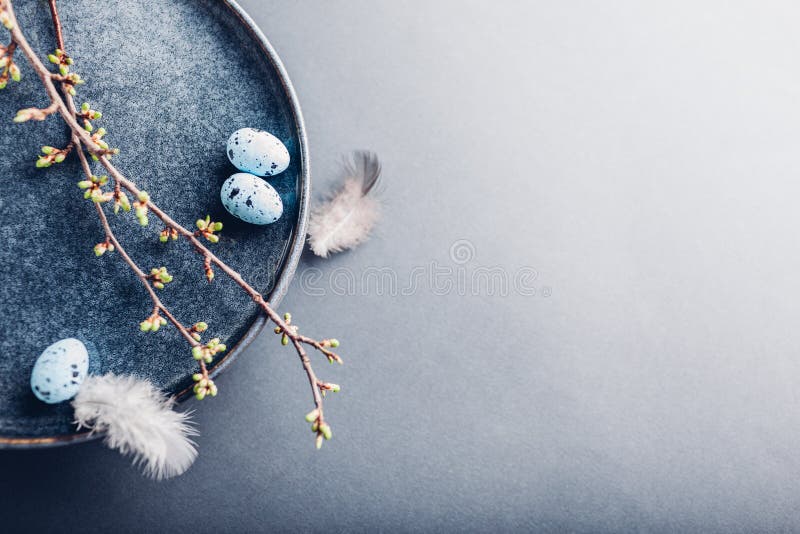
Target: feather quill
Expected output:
[139,421]
[346,219]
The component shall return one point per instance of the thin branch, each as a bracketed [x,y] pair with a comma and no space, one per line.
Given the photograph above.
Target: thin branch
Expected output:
[57,24]
[81,138]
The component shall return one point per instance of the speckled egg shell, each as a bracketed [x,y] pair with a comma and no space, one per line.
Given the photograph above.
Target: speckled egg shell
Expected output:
[251,199]
[59,371]
[257,152]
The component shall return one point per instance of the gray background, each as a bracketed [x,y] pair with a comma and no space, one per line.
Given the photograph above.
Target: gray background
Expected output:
[642,158]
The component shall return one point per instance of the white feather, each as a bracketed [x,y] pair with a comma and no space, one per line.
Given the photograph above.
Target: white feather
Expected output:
[347,218]
[138,419]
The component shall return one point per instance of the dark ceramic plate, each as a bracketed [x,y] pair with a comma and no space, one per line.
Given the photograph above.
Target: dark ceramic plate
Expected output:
[173,79]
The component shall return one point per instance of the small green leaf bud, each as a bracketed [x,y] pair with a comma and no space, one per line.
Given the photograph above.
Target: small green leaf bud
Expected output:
[326,430]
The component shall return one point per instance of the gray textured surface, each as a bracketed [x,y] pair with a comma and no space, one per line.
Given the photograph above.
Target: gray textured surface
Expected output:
[643,158]
[172,91]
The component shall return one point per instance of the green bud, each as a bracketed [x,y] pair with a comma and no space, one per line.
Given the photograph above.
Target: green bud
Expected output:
[318,442]
[60,158]
[42,163]
[312,415]
[163,238]
[197,352]
[213,238]
[143,196]
[200,395]
[201,326]
[201,224]
[145,326]
[287,316]
[53,59]
[84,184]
[336,388]
[158,285]
[208,358]
[14,72]
[5,19]
[334,343]
[196,377]
[47,150]
[217,226]
[63,70]
[326,430]
[285,340]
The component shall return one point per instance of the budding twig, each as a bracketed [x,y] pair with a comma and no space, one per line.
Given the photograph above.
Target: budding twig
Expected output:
[83,138]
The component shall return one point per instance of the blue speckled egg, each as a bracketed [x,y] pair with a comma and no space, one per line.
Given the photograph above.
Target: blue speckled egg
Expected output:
[257,152]
[251,199]
[59,371]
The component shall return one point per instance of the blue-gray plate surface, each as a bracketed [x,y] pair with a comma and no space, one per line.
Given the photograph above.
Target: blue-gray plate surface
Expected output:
[173,79]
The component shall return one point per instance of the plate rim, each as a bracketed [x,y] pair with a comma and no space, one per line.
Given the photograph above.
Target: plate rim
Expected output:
[289,265]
